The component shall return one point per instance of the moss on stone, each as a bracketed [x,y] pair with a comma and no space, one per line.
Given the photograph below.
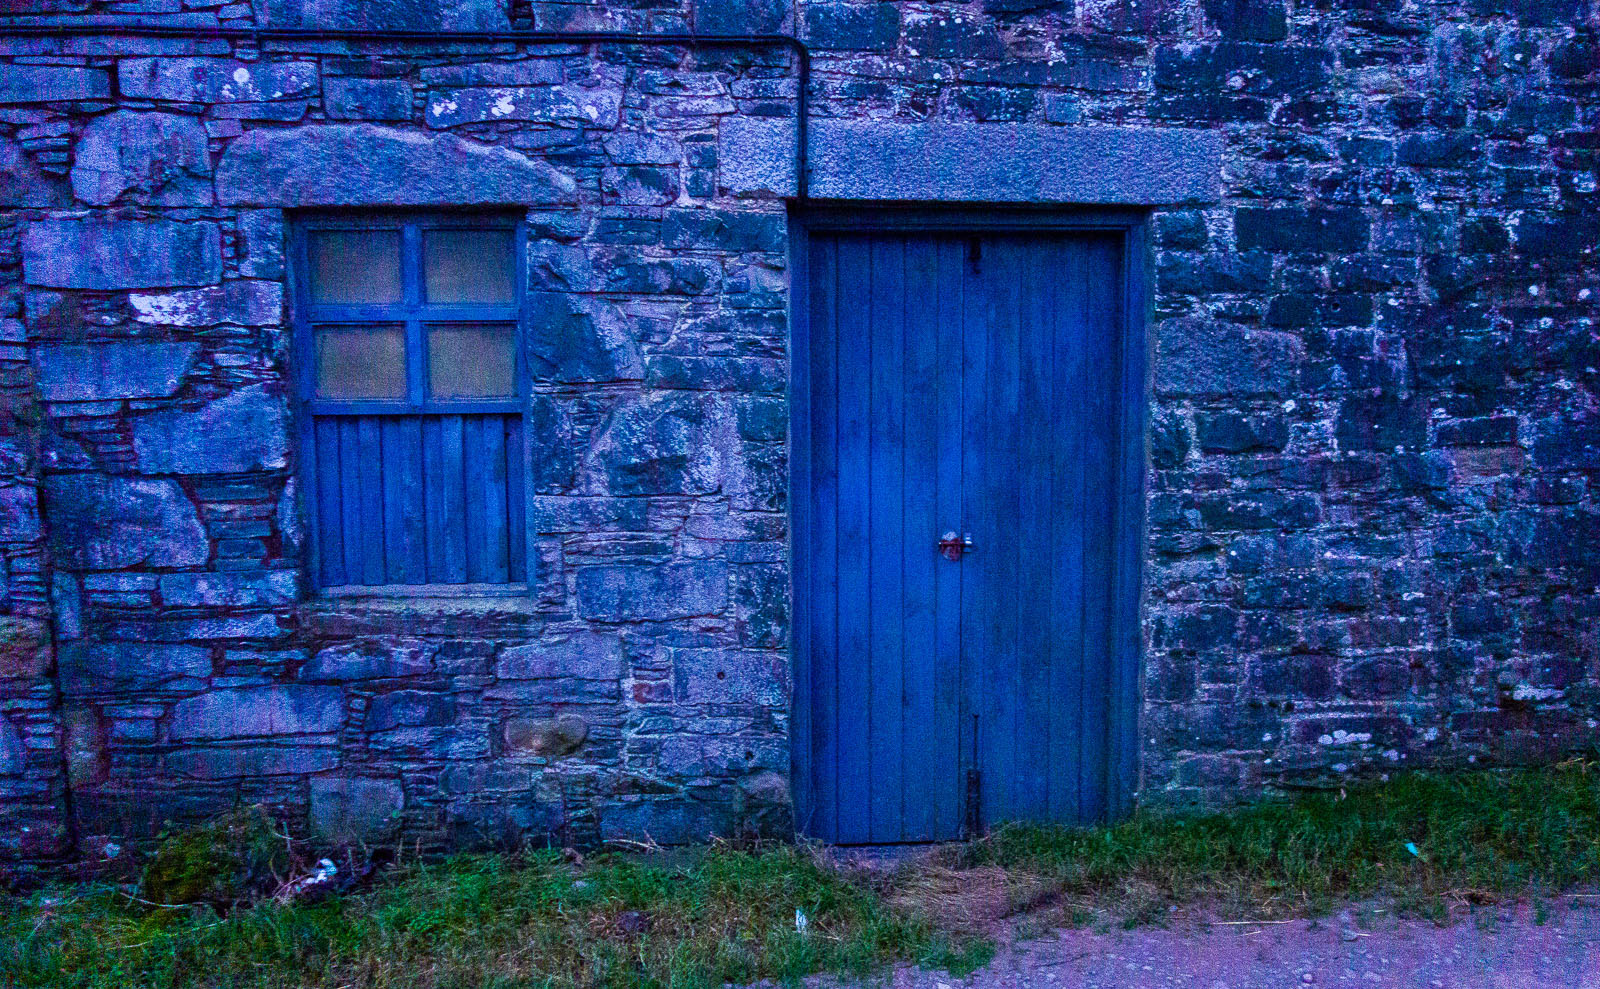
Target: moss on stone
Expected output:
[216,862]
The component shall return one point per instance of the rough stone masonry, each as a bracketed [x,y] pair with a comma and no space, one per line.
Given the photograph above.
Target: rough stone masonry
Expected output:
[1373,535]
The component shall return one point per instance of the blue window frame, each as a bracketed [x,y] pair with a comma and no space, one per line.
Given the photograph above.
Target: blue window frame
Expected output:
[413,394]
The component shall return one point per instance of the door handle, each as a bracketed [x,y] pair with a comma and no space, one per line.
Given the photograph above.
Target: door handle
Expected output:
[952,547]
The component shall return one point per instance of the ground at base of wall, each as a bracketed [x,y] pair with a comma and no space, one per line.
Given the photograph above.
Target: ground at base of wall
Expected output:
[1553,943]
[1424,847]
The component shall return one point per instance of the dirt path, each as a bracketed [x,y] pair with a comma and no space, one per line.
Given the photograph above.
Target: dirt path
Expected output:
[1498,948]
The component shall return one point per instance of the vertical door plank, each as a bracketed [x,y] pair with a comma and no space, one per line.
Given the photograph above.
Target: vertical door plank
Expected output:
[822,605]
[1099,424]
[475,479]
[947,722]
[998,556]
[492,450]
[453,500]
[433,497]
[1035,555]
[370,444]
[854,711]
[976,657]
[885,545]
[516,508]
[404,540]
[330,521]
[919,529]
[350,497]
[1066,531]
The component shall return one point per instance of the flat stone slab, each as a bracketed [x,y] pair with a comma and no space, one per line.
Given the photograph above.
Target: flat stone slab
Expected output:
[87,372]
[108,523]
[116,254]
[976,163]
[367,165]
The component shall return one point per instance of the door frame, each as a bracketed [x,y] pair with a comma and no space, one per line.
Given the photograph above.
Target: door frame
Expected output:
[1132,404]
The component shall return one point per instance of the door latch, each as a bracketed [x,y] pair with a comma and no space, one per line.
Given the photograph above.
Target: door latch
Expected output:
[952,547]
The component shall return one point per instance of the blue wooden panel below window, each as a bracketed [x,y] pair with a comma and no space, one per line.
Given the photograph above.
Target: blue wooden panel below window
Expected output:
[427,507]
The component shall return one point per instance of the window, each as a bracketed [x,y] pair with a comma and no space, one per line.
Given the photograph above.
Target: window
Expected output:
[413,395]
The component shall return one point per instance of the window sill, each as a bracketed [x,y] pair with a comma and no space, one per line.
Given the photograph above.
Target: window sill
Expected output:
[445,602]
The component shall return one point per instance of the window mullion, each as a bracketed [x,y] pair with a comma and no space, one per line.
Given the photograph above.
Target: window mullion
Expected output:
[411,276]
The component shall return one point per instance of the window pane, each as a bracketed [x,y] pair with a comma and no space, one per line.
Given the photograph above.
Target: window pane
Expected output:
[361,361]
[355,266]
[472,361]
[468,265]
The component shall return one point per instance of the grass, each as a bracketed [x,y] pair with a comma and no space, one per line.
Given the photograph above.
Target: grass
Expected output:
[726,915]
[491,921]
[1479,837]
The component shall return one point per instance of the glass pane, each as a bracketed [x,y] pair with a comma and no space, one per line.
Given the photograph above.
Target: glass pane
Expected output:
[361,361]
[472,361]
[467,265]
[355,266]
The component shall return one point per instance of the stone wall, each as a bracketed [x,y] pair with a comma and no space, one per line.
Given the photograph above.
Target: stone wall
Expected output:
[1372,521]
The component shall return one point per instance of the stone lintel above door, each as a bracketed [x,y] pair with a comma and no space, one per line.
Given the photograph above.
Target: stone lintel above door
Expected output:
[954,161]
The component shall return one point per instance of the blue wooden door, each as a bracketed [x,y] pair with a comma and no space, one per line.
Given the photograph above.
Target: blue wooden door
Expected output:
[966,384]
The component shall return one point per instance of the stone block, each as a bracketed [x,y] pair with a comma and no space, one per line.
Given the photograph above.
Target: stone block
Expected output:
[367,165]
[664,443]
[731,676]
[1249,20]
[581,655]
[236,303]
[410,709]
[640,185]
[347,98]
[350,809]
[523,72]
[51,83]
[725,230]
[567,103]
[245,430]
[232,589]
[214,80]
[108,523]
[249,762]
[132,667]
[261,244]
[1294,228]
[370,661]
[1202,357]
[577,338]
[715,755]
[633,592]
[160,158]
[1244,68]
[408,15]
[24,183]
[90,372]
[974,162]
[947,34]
[739,16]
[852,27]
[666,822]
[13,754]
[547,737]
[259,712]
[1234,432]
[635,148]
[116,254]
